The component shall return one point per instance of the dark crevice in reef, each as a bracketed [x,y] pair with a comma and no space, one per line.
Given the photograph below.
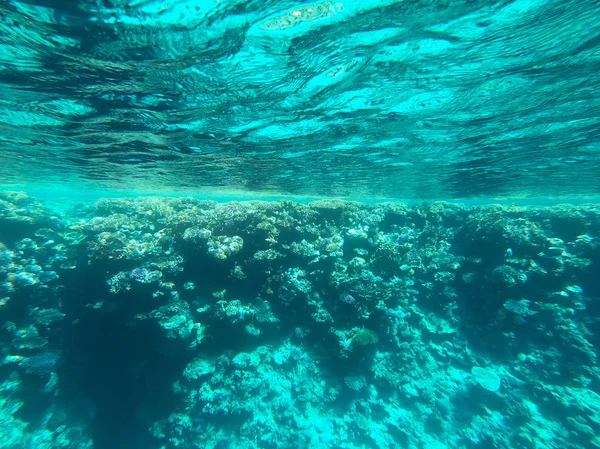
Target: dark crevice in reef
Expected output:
[122,368]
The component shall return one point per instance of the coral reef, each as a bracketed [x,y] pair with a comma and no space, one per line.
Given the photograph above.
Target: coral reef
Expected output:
[189,323]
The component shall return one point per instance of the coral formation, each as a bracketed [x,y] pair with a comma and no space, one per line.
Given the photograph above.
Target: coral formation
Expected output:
[279,324]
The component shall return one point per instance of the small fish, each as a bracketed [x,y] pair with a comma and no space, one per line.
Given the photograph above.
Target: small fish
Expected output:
[40,365]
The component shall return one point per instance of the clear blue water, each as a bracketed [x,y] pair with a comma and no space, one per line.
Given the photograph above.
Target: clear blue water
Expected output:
[360,99]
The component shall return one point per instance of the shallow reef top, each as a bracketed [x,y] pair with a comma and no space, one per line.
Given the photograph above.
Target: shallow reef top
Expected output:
[370,98]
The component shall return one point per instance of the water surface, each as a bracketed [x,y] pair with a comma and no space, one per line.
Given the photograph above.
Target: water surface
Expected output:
[380,98]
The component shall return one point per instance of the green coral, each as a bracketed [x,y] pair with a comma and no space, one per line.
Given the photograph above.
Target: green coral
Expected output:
[365,337]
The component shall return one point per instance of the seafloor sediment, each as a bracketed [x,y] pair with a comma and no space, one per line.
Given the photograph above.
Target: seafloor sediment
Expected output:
[164,323]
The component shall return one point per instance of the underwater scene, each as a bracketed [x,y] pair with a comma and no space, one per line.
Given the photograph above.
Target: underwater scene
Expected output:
[356,224]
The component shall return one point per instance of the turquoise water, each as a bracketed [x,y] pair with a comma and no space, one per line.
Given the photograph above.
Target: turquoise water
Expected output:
[377,99]
[275,225]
